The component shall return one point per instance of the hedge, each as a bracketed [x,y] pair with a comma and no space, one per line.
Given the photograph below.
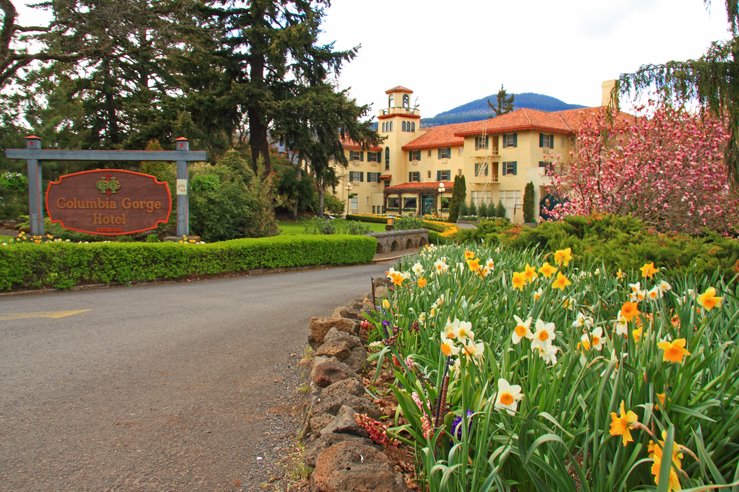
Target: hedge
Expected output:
[617,242]
[63,265]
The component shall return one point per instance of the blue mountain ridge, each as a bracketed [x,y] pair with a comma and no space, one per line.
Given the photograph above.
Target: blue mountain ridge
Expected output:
[479,109]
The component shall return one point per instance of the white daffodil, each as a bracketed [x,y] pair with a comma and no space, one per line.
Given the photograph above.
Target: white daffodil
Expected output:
[522,329]
[508,396]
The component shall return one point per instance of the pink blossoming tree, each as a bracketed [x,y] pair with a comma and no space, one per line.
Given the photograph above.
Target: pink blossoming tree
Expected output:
[666,168]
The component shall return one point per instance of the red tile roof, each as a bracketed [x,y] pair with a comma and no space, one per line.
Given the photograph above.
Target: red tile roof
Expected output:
[350,144]
[576,117]
[438,136]
[399,88]
[427,187]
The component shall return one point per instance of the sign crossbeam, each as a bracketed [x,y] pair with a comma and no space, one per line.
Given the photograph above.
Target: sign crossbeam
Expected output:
[34,155]
[106,155]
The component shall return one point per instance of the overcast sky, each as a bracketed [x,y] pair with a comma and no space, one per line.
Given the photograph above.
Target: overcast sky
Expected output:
[450,52]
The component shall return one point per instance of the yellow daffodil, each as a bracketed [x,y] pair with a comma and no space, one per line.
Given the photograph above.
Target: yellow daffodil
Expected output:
[563,256]
[620,275]
[561,282]
[422,282]
[468,255]
[474,265]
[655,452]
[529,273]
[636,333]
[547,270]
[674,351]
[385,304]
[621,424]
[648,270]
[518,280]
[448,347]
[630,310]
[708,299]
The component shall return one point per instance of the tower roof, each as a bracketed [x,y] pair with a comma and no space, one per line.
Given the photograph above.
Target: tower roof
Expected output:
[399,88]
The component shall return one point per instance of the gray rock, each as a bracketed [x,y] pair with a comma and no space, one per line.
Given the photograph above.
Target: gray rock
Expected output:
[332,404]
[320,326]
[344,423]
[350,386]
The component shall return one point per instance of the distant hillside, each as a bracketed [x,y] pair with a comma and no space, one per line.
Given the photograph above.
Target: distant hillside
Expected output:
[479,109]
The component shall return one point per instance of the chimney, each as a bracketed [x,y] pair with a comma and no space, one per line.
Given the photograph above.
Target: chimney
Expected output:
[608,99]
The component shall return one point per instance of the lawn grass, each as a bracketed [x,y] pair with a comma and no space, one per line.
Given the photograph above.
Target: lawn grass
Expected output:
[292,228]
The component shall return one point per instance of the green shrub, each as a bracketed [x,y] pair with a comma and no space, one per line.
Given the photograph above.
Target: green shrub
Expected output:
[368,218]
[333,205]
[500,210]
[406,223]
[528,203]
[64,265]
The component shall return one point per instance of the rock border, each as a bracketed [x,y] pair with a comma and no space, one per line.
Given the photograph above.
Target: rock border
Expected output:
[339,450]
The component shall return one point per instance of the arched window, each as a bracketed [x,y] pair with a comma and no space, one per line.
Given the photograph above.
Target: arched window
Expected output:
[390,126]
[391,101]
[413,126]
[387,158]
[406,101]
[404,126]
[384,126]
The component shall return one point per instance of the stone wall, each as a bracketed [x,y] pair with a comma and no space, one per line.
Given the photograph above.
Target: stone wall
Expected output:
[400,240]
[339,450]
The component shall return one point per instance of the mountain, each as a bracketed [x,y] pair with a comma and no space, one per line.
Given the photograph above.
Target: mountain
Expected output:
[479,109]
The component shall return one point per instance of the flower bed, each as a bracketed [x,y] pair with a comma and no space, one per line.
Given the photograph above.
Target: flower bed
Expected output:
[516,370]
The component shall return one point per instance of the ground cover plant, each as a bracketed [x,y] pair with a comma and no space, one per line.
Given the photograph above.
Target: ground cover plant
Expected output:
[524,370]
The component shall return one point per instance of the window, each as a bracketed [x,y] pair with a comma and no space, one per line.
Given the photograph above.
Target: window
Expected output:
[406,101]
[546,141]
[373,177]
[445,175]
[373,156]
[409,203]
[510,140]
[387,158]
[391,101]
[510,168]
[545,164]
[414,176]
[413,126]
[389,126]
[445,153]
[355,155]
[393,202]
[354,203]
[384,127]
[404,127]
[445,200]
[481,169]
[480,197]
[481,142]
[414,155]
[356,176]
[429,153]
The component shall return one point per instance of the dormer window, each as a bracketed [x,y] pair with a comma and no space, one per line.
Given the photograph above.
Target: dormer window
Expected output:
[406,101]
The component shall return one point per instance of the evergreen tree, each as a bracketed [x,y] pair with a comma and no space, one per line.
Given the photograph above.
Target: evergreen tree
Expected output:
[503,102]
[528,203]
[500,210]
[459,195]
[713,80]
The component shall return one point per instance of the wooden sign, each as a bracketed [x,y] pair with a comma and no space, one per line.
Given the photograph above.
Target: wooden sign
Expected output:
[108,202]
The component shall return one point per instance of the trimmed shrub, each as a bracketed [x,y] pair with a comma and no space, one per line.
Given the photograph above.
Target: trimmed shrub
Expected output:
[64,265]
[528,203]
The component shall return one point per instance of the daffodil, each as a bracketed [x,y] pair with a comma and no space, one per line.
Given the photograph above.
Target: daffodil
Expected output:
[544,334]
[622,325]
[448,347]
[473,349]
[582,321]
[561,282]
[440,266]
[563,256]
[474,265]
[673,351]
[629,310]
[655,452]
[518,280]
[490,264]
[468,255]
[708,299]
[594,340]
[648,270]
[621,424]
[664,286]
[547,270]
[654,293]
[636,334]
[620,275]
[417,269]
[508,396]
[529,273]
[537,294]
[422,282]
[385,304]
[522,329]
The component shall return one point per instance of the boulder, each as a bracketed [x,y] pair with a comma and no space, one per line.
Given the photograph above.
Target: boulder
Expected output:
[315,448]
[328,370]
[351,386]
[320,326]
[345,347]
[333,403]
[344,423]
[349,466]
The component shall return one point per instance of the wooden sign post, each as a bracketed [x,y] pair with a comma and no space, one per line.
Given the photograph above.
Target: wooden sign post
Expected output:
[34,154]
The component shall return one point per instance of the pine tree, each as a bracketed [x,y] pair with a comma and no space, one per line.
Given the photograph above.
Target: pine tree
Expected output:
[503,102]
[528,203]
